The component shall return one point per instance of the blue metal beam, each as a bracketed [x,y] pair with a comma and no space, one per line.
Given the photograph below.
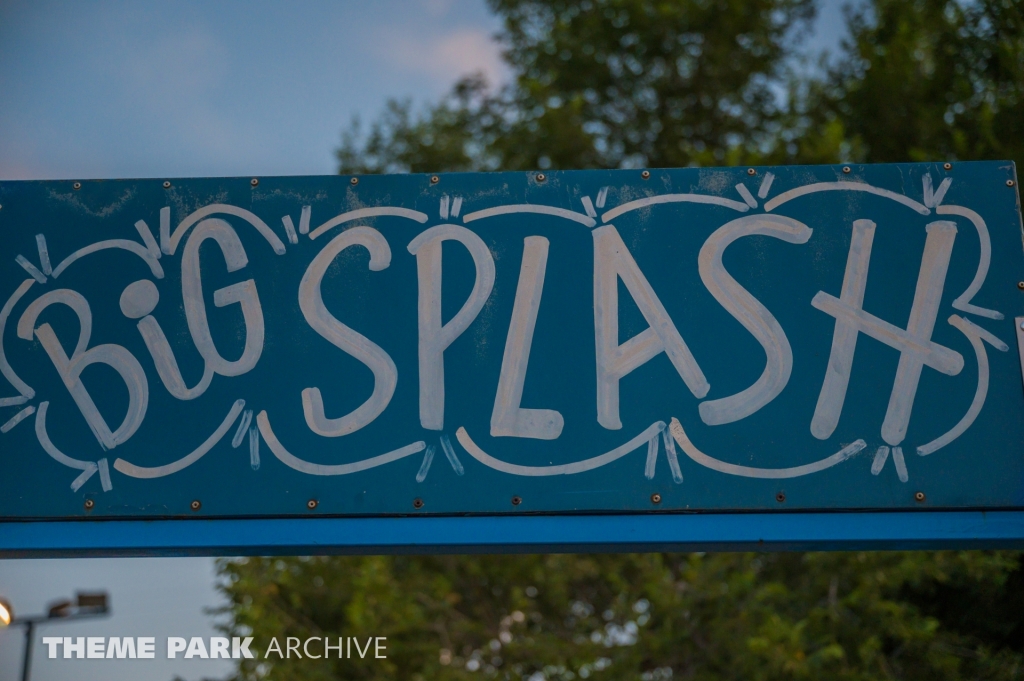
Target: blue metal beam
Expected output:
[522,534]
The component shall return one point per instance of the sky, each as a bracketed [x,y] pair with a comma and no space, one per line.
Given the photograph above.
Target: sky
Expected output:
[193,89]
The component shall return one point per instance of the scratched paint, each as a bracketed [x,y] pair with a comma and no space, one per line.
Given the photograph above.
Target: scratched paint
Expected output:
[591,341]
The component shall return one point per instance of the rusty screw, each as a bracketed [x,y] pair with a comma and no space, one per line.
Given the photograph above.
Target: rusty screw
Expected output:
[434,179]
[77,185]
[354,180]
[167,184]
[751,172]
[947,165]
[655,498]
[646,174]
[89,503]
[254,182]
[516,501]
[417,503]
[780,497]
[846,169]
[918,496]
[312,503]
[195,505]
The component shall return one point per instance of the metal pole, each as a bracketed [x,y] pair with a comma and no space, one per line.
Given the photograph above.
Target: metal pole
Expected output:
[26,665]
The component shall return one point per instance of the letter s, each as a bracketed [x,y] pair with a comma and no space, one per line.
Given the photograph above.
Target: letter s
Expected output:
[311,302]
[749,312]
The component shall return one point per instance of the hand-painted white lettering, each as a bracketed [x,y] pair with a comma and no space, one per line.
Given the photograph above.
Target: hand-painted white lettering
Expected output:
[23,388]
[292,461]
[976,335]
[70,369]
[914,343]
[749,312]
[963,301]
[243,293]
[558,469]
[87,467]
[508,419]
[224,209]
[134,471]
[613,261]
[434,336]
[311,302]
[703,459]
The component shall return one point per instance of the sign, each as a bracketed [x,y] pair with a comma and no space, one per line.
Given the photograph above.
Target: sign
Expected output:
[785,339]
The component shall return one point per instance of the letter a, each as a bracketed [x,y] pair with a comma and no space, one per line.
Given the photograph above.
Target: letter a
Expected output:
[612,261]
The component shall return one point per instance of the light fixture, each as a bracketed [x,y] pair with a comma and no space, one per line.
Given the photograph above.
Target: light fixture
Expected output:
[6,613]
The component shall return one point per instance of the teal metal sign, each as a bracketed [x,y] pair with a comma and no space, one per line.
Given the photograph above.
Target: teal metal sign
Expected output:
[767,339]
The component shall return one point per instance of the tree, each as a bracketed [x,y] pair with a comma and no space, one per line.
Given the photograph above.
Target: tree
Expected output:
[848,616]
[604,84]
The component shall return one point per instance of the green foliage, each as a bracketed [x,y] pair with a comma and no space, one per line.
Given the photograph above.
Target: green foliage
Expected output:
[610,83]
[934,80]
[847,616]
[604,84]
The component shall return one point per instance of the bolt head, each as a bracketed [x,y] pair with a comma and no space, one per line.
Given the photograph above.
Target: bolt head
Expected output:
[417,503]
[77,185]
[167,184]
[516,501]
[311,504]
[655,498]
[646,174]
[918,496]
[254,182]
[89,503]
[434,179]
[846,169]
[354,180]
[1010,183]
[1020,285]
[780,497]
[541,177]
[751,172]
[947,166]
[195,505]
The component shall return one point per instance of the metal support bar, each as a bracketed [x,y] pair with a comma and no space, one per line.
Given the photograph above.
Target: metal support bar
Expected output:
[516,534]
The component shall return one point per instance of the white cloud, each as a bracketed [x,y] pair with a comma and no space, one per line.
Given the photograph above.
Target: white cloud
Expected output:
[446,57]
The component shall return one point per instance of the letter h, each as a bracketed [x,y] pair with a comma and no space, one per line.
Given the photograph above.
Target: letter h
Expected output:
[914,343]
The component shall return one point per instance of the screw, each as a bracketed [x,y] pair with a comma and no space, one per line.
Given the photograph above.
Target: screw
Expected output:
[947,166]
[751,171]
[918,496]
[354,180]
[541,177]
[89,503]
[1010,183]
[780,497]
[167,184]
[434,179]
[1020,285]
[77,185]
[646,174]
[655,498]
[311,504]
[516,501]
[417,503]
[846,169]
[254,182]
[195,505]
